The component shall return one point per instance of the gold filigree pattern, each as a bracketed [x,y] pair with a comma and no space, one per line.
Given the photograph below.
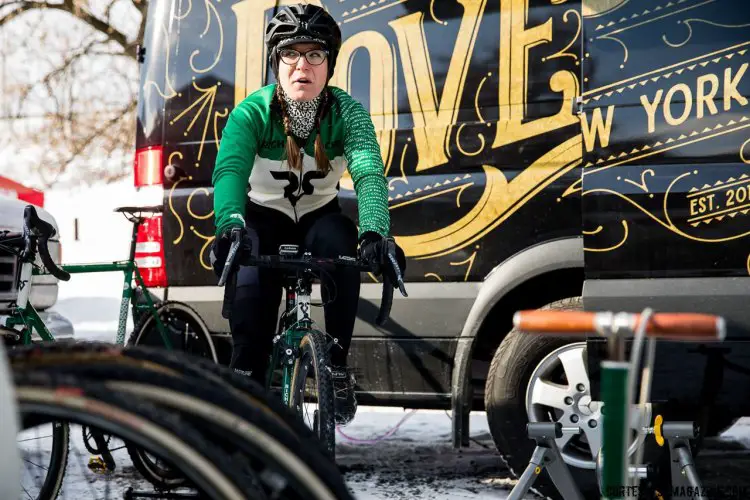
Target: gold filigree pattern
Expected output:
[371,8]
[171,92]
[206,99]
[429,189]
[210,8]
[687,22]
[433,16]
[666,72]
[190,201]
[402,177]
[208,239]
[665,220]
[647,12]
[433,275]
[742,152]
[469,261]
[625,47]
[668,143]
[564,51]
[461,149]
[642,185]
[625,236]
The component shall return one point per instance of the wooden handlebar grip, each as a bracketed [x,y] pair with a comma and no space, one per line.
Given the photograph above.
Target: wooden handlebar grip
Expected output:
[685,326]
[668,326]
[562,322]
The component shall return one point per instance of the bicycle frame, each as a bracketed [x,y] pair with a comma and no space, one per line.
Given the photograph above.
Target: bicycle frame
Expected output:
[25,314]
[293,326]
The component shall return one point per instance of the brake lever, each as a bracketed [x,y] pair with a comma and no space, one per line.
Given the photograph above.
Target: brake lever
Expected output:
[396,268]
[229,263]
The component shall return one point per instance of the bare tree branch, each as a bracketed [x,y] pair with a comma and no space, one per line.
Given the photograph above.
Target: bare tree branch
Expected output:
[65,117]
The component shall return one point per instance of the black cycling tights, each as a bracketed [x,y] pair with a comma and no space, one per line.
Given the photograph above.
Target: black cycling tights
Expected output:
[325,232]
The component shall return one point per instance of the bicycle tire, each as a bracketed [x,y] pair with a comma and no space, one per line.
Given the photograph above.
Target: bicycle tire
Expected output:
[225,420]
[114,364]
[172,310]
[35,356]
[64,397]
[58,463]
[313,355]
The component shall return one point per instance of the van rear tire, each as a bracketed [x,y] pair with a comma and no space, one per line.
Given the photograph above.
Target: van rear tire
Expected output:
[512,367]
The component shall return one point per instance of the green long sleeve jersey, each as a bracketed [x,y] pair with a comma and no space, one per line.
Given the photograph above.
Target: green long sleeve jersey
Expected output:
[252,152]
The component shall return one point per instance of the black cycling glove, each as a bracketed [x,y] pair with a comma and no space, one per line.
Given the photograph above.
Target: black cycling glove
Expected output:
[375,250]
[220,248]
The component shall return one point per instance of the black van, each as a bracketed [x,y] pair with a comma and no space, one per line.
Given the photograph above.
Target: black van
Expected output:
[540,153]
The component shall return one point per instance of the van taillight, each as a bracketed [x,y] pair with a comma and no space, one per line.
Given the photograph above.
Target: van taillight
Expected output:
[148,166]
[149,252]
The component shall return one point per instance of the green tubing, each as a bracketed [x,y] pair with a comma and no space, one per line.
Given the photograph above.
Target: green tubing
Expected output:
[614,388]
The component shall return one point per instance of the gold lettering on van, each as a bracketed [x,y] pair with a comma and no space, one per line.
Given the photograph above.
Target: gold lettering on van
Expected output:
[434,118]
[682,96]
[515,42]
[707,99]
[599,127]
[382,84]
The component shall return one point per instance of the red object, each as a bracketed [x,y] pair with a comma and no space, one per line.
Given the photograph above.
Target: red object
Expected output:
[149,252]
[13,189]
[149,244]
[148,167]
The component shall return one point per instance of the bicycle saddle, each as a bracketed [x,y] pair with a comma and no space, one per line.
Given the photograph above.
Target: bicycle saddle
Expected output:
[139,210]
[33,222]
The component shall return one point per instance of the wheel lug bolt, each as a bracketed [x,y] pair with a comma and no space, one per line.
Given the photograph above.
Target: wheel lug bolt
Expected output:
[581,387]
[568,400]
[574,418]
[592,423]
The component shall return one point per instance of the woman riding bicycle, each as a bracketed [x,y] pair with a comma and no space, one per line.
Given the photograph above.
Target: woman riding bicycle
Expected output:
[290,143]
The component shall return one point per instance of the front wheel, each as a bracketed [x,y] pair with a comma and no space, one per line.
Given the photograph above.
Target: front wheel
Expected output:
[184,328]
[312,396]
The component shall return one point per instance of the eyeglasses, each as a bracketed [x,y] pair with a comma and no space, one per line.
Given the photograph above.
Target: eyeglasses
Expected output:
[315,57]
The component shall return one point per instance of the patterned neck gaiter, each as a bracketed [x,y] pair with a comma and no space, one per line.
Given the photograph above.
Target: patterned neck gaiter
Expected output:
[301,114]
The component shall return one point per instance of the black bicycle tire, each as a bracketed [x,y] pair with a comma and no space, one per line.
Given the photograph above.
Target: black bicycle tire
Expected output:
[312,347]
[58,463]
[244,418]
[147,319]
[95,405]
[35,356]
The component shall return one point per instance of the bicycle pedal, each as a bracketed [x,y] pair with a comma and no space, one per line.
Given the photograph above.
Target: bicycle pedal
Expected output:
[98,466]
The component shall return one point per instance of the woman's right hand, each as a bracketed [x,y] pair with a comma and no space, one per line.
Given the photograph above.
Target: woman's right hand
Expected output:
[220,248]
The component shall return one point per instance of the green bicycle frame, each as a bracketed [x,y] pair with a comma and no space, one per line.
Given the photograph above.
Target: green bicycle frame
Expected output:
[29,317]
[614,388]
[297,324]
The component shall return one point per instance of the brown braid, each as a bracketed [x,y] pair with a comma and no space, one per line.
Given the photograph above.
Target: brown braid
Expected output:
[321,158]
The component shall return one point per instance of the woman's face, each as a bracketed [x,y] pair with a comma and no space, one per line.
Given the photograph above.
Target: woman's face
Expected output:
[303,79]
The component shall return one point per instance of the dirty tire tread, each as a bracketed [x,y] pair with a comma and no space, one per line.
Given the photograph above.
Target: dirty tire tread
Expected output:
[505,396]
[313,344]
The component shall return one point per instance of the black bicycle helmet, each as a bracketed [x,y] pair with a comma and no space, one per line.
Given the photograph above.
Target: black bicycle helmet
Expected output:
[302,23]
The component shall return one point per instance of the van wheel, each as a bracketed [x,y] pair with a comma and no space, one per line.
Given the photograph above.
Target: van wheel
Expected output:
[534,378]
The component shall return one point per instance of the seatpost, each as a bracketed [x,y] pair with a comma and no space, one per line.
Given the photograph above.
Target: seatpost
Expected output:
[133,239]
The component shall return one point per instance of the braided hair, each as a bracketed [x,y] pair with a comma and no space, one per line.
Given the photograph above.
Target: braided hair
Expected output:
[293,154]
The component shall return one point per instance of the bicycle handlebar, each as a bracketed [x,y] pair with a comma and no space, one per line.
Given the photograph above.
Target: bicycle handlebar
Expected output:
[690,327]
[35,237]
[33,226]
[307,262]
